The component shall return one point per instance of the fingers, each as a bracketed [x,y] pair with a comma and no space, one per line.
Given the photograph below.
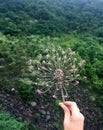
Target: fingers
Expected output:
[72,116]
[75,112]
[70,107]
[64,107]
[66,114]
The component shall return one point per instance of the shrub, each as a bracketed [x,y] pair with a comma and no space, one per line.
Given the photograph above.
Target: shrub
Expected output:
[8,122]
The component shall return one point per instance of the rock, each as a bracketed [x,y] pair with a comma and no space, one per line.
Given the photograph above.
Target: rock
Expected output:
[33,104]
[48,113]
[43,112]
[42,107]
[48,117]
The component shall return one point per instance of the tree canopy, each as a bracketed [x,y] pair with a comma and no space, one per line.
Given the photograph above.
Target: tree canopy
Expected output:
[48,16]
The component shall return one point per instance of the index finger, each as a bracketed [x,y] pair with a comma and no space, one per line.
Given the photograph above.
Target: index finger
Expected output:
[73,107]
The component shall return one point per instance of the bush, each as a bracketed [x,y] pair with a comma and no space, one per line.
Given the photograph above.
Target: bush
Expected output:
[8,122]
[25,90]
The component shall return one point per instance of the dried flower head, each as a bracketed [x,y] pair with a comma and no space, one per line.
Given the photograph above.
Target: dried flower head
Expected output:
[57,69]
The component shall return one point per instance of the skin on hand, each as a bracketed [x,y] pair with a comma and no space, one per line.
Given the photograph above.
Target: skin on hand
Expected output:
[73,119]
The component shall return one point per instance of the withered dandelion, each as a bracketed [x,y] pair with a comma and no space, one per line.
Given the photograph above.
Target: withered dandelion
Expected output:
[57,69]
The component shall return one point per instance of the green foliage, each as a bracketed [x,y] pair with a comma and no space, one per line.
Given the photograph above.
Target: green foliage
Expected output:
[57,104]
[92,52]
[8,122]
[12,62]
[25,90]
[58,125]
[31,127]
[47,17]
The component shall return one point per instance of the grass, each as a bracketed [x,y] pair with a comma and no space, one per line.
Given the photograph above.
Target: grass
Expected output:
[8,122]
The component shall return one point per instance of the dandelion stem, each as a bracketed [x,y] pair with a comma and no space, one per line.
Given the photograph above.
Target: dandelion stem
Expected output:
[62,93]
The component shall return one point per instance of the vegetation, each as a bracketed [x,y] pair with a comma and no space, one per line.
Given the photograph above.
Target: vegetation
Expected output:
[27,27]
[51,16]
[8,122]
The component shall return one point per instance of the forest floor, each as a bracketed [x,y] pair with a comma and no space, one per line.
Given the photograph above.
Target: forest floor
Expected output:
[23,111]
[16,106]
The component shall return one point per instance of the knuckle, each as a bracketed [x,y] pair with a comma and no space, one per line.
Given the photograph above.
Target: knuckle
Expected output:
[81,117]
[74,103]
[78,117]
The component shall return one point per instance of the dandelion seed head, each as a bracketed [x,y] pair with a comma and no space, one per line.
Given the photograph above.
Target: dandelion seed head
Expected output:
[56,69]
[58,76]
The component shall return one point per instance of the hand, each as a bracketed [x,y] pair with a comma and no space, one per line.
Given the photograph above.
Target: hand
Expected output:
[73,119]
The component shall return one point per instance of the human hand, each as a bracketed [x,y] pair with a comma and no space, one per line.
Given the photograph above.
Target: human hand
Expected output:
[73,119]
